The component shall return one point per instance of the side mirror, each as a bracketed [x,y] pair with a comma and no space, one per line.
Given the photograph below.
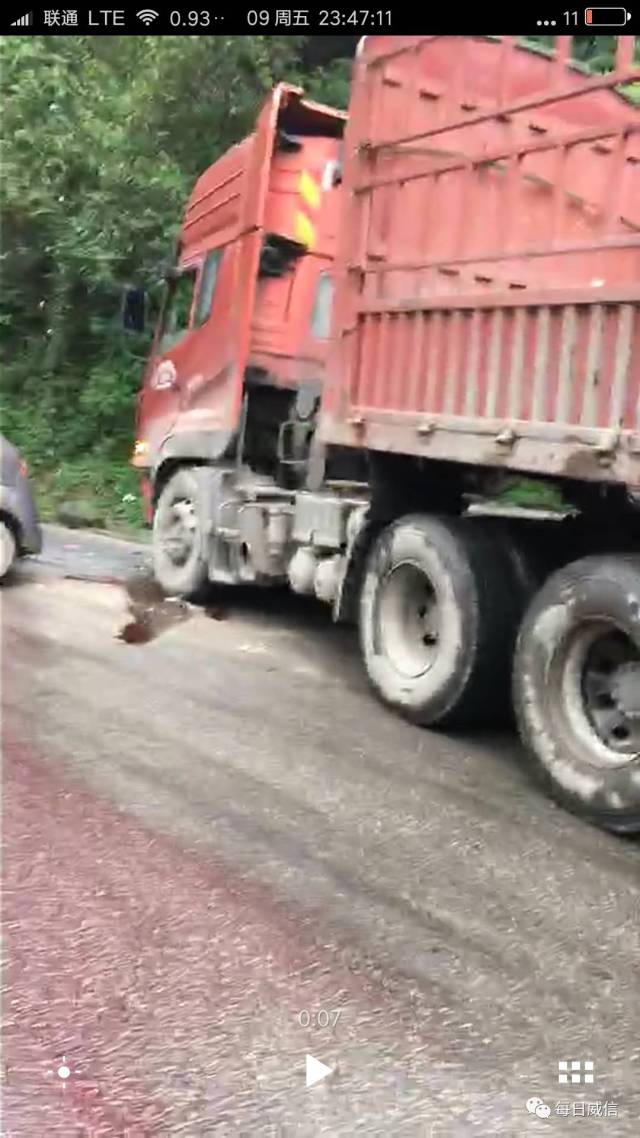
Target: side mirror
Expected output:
[134,305]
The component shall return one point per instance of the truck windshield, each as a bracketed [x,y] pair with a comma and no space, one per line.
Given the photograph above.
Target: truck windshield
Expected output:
[176,315]
[208,281]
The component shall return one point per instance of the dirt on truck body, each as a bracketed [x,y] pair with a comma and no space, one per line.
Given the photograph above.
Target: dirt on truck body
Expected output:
[380,327]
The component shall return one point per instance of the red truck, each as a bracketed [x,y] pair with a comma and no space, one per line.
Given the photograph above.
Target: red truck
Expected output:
[398,366]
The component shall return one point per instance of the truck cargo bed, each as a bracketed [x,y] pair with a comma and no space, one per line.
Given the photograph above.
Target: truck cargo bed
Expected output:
[488,277]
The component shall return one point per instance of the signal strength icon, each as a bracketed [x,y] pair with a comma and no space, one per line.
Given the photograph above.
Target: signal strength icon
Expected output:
[24,21]
[147,15]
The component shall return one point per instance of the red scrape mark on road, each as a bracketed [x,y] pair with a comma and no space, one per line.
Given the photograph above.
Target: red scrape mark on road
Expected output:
[145,965]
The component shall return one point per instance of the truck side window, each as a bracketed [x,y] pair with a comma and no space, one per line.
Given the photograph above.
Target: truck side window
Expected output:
[321,317]
[177,309]
[208,279]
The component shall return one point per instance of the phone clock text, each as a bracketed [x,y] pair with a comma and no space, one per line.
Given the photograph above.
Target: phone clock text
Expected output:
[356,18]
[323,1017]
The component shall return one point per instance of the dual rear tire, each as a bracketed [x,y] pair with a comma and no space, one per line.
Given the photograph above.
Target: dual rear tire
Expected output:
[439,607]
[577,689]
[442,635]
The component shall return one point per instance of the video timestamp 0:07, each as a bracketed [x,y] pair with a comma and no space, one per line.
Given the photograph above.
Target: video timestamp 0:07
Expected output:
[321,1018]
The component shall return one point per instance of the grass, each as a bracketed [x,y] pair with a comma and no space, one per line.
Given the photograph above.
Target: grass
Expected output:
[530,493]
[105,490]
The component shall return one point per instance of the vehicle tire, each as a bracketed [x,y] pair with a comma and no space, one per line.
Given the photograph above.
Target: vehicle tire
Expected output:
[8,549]
[577,689]
[438,617]
[179,546]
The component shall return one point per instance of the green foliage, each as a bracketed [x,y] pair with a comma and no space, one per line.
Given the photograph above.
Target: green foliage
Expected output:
[109,486]
[532,494]
[598,53]
[331,85]
[595,53]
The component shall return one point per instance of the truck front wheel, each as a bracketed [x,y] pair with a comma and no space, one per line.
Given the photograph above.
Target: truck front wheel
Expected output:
[577,689]
[438,615]
[179,541]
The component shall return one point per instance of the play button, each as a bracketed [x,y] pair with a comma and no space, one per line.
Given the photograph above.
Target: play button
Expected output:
[316,1070]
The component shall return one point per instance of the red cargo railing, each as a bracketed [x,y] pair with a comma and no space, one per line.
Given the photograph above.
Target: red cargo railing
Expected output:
[488,301]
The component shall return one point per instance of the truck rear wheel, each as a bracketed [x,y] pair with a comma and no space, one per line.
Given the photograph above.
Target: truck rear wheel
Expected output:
[179,542]
[438,616]
[577,689]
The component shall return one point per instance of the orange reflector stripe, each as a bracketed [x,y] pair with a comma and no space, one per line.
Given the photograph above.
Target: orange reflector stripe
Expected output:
[309,190]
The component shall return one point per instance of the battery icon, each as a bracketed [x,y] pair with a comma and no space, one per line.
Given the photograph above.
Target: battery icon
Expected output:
[606,17]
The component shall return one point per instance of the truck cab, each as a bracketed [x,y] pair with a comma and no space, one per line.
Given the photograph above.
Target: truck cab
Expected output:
[237,360]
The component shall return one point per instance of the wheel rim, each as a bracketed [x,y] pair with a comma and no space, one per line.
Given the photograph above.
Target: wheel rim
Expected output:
[178,531]
[408,620]
[602,692]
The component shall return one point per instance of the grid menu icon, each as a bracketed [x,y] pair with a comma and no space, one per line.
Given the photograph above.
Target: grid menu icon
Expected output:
[575,1071]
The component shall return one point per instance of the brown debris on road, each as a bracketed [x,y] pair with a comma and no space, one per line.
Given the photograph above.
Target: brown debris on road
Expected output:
[151,612]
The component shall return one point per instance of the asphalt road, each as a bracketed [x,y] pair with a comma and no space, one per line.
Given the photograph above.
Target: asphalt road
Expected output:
[221,855]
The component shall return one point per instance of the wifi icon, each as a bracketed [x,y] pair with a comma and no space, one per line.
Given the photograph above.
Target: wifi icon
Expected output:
[147,15]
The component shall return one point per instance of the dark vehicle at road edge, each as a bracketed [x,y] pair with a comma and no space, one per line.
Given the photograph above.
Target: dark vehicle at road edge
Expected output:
[20,531]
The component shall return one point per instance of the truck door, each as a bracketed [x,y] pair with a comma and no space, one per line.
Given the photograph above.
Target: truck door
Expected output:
[182,369]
